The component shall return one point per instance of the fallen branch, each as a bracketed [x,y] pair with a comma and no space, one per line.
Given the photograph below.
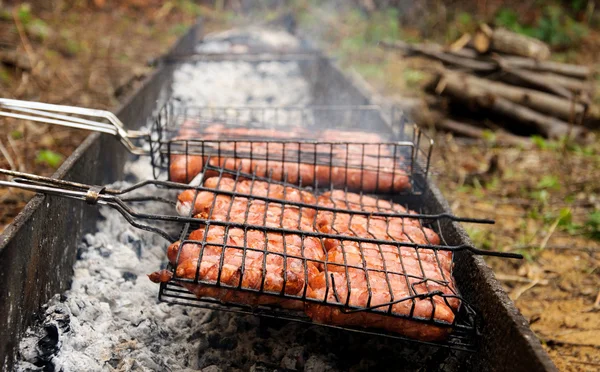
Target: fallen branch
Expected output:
[577,71]
[467,89]
[539,101]
[437,52]
[7,156]
[471,131]
[518,279]
[551,342]
[518,292]
[584,363]
[505,41]
[24,40]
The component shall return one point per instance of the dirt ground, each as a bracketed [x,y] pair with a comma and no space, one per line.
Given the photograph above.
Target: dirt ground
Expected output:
[557,285]
[72,53]
[545,199]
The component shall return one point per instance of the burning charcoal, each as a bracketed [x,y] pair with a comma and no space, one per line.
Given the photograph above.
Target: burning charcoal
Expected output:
[292,357]
[109,322]
[203,345]
[47,346]
[104,251]
[62,319]
[288,363]
[89,240]
[216,340]
[114,362]
[318,363]
[212,357]
[212,368]
[133,241]
[129,276]
[82,248]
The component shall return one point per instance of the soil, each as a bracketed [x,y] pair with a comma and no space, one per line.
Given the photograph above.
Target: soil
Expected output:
[73,53]
[557,285]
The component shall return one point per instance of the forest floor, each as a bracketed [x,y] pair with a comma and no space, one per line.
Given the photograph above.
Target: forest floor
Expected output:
[545,200]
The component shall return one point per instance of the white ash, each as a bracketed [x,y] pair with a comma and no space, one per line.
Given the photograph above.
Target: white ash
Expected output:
[110,319]
[244,40]
[235,83]
[246,84]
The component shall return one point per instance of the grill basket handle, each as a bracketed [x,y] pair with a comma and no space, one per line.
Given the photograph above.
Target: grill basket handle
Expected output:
[62,115]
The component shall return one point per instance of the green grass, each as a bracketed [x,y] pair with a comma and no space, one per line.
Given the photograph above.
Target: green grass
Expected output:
[554,26]
[178,29]
[49,157]
[413,78]
[549,182]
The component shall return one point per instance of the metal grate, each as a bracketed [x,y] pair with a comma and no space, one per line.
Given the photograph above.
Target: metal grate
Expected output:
[307,140]
[439,289]
[462,327]
[463,336]
[299,141]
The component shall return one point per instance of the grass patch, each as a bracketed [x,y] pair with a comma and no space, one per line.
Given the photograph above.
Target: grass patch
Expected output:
[49,158]
[554,26]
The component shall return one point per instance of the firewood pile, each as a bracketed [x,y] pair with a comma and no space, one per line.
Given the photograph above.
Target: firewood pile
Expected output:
[507,79]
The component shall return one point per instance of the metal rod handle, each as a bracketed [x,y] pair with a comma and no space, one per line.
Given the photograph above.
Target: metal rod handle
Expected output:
[55,114]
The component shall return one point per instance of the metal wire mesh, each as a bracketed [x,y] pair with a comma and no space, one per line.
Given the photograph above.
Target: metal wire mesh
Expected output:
[248,254]
[373,152]
[278,260]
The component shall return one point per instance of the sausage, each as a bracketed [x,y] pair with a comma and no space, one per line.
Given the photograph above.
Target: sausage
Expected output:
[355,284]
[257,188]
[358,166]
[223,260]
[332,272]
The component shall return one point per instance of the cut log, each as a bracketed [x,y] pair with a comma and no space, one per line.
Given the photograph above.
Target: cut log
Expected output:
[547,125]
[577,71]
[572,84]
[437,119]
[437,52]
[472,131]
[463,88]
[482,40]
[537,81]
[560,85]
[468,53]
[540,101]
[469,59]
[460,43]
[509,42]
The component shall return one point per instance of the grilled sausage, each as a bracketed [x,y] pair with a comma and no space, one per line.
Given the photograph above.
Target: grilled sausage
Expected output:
[259,266]
[257,188]
[333,272]
[358,166]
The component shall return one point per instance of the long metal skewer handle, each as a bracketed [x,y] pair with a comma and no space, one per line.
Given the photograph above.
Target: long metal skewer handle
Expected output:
[45,185]
[88,193]
[61,115]
[113,198]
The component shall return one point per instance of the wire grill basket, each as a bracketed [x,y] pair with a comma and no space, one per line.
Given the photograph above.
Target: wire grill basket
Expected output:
[363,146]
[302,145]
[428,284]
